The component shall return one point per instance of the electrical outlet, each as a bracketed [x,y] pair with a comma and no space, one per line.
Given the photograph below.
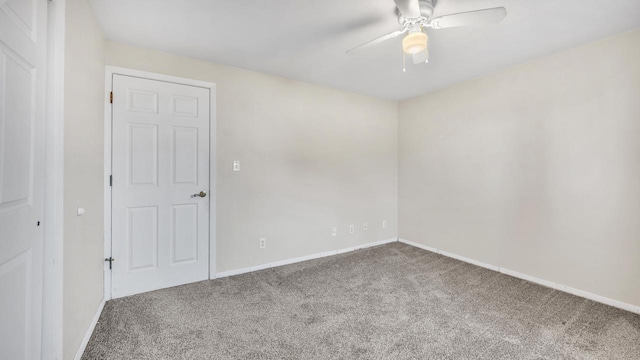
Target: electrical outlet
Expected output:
[384,224]
[365,227]
[352,229]
[263,243]
[334,231]
[236,165]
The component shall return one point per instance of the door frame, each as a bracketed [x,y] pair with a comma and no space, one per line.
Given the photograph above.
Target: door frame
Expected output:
[53,210]
[115,70]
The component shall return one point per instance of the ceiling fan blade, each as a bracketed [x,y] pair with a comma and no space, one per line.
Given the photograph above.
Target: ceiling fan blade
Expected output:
[377,41]
[471,18]
[408,8]
[422,57]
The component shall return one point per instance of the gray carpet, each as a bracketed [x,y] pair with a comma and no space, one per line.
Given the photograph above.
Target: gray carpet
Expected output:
[388,302]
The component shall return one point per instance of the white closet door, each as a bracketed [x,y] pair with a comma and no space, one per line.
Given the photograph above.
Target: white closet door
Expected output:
[160,227]
[22,122]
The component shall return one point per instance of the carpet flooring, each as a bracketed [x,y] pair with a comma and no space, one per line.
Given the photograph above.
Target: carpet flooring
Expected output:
[389,302]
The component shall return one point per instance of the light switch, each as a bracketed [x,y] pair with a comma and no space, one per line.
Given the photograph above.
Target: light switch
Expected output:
[80,211]
[236,165]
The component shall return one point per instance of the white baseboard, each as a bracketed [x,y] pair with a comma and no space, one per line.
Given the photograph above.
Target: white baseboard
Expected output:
[551,284]
[364,246]
[302,258]
[574,291]
[451,255]
[92,326]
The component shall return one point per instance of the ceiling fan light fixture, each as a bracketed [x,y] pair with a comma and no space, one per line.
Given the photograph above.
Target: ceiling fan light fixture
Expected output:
[415,42]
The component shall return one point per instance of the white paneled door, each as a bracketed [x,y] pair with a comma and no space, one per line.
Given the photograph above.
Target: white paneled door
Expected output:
[160,168]
[22,122]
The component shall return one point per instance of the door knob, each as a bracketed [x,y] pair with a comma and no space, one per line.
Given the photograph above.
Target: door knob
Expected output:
[200,194]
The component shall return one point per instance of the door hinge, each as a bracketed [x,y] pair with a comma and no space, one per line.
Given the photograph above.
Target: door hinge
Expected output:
[111,97]
[110,180]
[110,260]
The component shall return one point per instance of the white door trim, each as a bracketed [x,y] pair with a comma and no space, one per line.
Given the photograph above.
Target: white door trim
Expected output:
[114,70]
[52,326]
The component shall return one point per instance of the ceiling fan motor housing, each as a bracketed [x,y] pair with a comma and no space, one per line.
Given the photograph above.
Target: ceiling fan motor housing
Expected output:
[426,8]
[426,11]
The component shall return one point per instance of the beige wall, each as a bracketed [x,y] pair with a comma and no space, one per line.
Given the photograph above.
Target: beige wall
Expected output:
[311,158]
[535,169]
[83,173]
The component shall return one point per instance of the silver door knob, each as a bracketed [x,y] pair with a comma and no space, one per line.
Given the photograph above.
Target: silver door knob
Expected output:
[200,194]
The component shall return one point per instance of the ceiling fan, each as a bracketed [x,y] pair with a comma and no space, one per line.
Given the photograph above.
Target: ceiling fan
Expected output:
[415,16]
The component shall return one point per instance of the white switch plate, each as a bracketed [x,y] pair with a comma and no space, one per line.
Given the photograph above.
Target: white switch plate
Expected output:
[334,231]
[352,229]
[384,224]
[236,165]
[365,226]
[263,243]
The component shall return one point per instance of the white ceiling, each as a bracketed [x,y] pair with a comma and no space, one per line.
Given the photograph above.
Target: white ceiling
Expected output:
[307,39]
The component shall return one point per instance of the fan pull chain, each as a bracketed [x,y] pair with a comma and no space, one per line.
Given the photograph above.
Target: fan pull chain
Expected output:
[404,62]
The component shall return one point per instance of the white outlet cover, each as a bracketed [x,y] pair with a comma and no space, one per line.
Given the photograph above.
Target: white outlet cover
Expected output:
[365,226]
[263,243]
[384,224]
[334,231]
[236,165]
[352,229]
